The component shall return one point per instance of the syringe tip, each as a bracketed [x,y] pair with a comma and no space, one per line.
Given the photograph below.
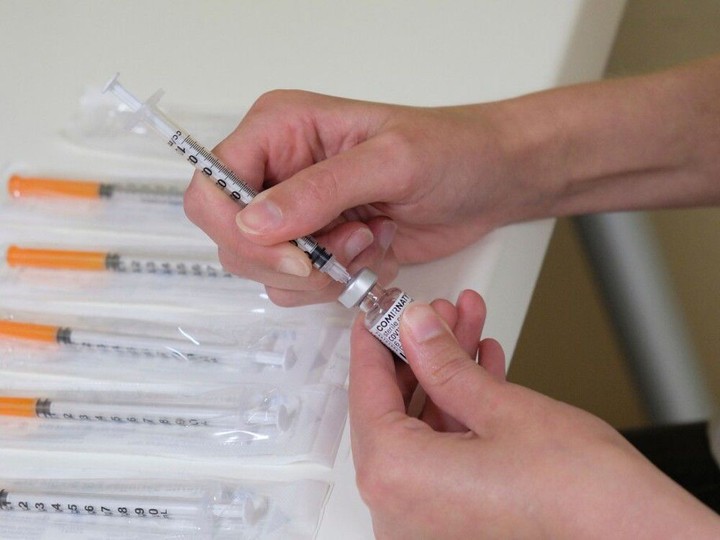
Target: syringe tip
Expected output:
[336,271]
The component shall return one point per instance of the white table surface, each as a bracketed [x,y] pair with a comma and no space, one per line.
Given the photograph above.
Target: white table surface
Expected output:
[220,56]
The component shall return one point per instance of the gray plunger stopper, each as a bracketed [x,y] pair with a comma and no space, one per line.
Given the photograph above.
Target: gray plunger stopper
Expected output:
[357,288]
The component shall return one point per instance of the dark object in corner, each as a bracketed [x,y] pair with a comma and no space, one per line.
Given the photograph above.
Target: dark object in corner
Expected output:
[683,453]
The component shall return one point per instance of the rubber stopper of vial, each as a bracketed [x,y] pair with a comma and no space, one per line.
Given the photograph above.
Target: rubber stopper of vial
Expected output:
[357,288]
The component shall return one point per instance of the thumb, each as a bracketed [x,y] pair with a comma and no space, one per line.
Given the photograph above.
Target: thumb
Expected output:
[452,379]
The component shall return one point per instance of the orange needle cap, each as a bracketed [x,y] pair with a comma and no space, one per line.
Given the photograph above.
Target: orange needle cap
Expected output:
[56,258]
[25,186]
[34,332]
[17,406]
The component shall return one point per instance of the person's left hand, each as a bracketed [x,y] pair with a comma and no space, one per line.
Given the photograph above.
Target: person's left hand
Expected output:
[489,459]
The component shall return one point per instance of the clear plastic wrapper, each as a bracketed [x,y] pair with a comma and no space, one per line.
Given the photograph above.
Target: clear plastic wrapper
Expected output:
[38,216]
[50,240]
[139,204]
[23,186]
[101,123]
[125,260]
[135,349]
[235,301]
[256,424]
[101,354]
[118,293]
[98,509]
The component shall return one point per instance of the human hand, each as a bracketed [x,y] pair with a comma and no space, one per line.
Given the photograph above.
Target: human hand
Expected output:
[384,185]
[525,466]
[377,185]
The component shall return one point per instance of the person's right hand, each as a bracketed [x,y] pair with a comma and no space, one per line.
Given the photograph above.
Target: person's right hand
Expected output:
[378,185]
[382,185]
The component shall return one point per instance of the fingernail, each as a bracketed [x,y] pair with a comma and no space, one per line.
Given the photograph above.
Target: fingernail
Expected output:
[259,217]
[422,322]
[295,266]
[386,235]
[357,242]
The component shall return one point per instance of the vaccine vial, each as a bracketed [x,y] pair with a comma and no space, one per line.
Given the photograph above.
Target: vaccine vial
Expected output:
[382,308]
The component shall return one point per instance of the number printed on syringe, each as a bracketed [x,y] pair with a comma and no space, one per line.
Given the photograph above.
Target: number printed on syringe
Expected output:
[65,259]
[92,505]
[246,507]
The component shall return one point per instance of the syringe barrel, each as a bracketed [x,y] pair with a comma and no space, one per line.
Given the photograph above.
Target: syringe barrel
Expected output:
[201,508]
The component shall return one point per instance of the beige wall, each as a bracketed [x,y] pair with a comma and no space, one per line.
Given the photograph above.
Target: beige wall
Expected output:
[567,349]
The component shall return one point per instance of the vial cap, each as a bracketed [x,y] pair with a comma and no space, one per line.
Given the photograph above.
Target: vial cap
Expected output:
[357,288]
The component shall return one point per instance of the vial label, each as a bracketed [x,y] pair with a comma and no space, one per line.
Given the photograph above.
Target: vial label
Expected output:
[387,328]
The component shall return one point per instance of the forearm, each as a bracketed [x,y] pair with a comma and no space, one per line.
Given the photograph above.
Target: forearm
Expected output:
[642,142]
[634,501]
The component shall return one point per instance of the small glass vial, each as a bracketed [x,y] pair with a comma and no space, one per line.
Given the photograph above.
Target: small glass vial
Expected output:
[382,308]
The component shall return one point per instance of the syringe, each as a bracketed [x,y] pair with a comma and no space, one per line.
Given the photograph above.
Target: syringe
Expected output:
[143,345]
[66,259]
[245,506]
[205,161]
[383,308]
[35,186]
[147,414]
